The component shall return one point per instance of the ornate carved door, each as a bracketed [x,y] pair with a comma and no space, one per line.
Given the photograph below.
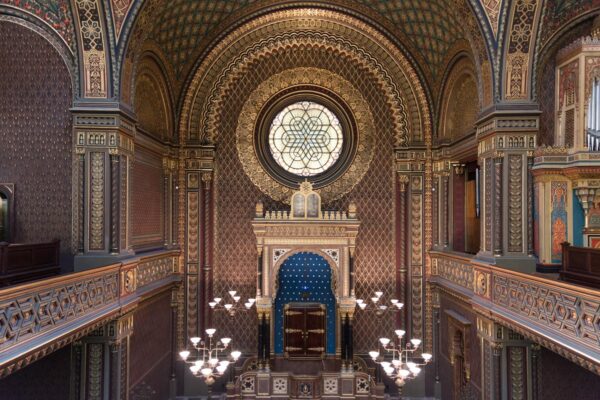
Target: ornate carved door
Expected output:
[304,330]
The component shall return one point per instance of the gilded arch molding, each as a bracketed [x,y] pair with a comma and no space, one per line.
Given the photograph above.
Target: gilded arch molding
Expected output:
[386,62]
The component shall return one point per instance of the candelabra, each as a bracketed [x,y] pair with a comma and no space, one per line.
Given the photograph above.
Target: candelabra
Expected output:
[403,365]
[234,307]
[377,306]
[206,362]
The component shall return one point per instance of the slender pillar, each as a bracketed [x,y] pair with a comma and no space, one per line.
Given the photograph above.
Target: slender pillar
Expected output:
[208,240]
[402,253]
[445,209]
[497,208]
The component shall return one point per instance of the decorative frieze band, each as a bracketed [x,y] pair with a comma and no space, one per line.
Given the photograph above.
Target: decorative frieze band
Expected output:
[43,316]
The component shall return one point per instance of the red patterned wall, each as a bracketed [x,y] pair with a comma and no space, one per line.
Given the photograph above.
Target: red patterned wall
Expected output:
[236,196]
[561,379]
[147,199]
[46,379]
[150,350]
[35,136]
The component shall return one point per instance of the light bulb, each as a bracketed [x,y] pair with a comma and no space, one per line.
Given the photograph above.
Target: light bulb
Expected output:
[404,373]
[383,308]
[400,333]
[374,354]
[396,363]
[224,362]
[362,306]
[212,304]
[251,300]
[232,292]
[198,363]
[399,305]
[248,305]
[217,300]
[236,298]
[221,369]
[359,301]
[426,356]
[195,340]
[228,306]
[385,364]
[394,301]
[184,354]
[210,331]
[411,365]
[389,370]
[384,341]
[415,371]
[194,369]
[415,342]
[225,340]
[213,362]
[235,355]
[374,299]
[378,294]
[206,372]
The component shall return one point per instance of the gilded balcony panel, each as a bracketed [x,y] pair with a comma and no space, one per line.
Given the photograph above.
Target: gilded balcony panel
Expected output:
[562,317]
[40,317]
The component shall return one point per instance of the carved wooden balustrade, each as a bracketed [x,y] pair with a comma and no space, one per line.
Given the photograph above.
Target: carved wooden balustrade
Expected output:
[560,316]
[580,265]
[23,262]
[39,317]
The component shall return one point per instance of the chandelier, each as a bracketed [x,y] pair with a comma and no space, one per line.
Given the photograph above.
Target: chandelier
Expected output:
[234,306]
[208,361]
[403,365]
[378,306]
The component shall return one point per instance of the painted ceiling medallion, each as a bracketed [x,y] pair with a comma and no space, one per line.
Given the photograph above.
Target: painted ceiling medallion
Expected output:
[249,120]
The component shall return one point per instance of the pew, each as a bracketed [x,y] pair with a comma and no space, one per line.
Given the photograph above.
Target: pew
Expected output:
[22,262]
[580,265]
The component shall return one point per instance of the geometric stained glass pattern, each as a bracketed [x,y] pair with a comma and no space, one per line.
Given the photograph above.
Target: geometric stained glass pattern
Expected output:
[305,138]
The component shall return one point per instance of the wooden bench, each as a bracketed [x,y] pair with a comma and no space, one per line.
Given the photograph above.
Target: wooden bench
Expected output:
[27,262]
[580,265]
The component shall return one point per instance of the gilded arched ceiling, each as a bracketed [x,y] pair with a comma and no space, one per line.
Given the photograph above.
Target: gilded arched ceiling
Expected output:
[427,30]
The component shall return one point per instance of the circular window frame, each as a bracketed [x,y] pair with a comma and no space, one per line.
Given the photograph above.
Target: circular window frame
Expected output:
[321,96]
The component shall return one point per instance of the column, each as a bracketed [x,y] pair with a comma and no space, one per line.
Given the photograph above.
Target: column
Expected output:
[104,149]
[196,196]
[103,361]
[208,246]
[402,266]
[505,144]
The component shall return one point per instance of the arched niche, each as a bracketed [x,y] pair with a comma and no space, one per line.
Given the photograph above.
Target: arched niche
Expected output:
[460,101]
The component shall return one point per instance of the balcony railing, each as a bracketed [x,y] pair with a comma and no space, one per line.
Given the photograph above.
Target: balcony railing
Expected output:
[39,317]
[555,314]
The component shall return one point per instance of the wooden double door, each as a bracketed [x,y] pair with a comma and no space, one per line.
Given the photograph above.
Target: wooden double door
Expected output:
[304,330]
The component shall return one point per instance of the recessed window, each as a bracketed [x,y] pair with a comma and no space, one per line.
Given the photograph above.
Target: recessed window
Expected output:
[306,138]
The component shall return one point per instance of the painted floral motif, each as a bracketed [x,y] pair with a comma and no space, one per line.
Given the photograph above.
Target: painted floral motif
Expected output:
[56,13]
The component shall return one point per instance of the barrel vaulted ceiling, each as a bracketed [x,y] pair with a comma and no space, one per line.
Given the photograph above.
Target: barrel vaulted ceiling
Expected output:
[428,30]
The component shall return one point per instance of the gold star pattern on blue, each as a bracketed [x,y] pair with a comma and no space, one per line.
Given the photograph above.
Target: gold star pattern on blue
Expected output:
[305,278]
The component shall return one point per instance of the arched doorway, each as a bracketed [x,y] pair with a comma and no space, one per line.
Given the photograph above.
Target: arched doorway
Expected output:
[304,287]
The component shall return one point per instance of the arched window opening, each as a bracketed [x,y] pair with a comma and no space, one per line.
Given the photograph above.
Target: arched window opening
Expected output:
[592,130]
[4,218]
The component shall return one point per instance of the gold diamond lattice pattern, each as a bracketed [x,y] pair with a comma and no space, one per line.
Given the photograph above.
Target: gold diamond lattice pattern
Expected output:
[305,138]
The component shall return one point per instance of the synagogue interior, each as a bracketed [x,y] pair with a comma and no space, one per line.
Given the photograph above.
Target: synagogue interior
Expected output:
[299,199]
